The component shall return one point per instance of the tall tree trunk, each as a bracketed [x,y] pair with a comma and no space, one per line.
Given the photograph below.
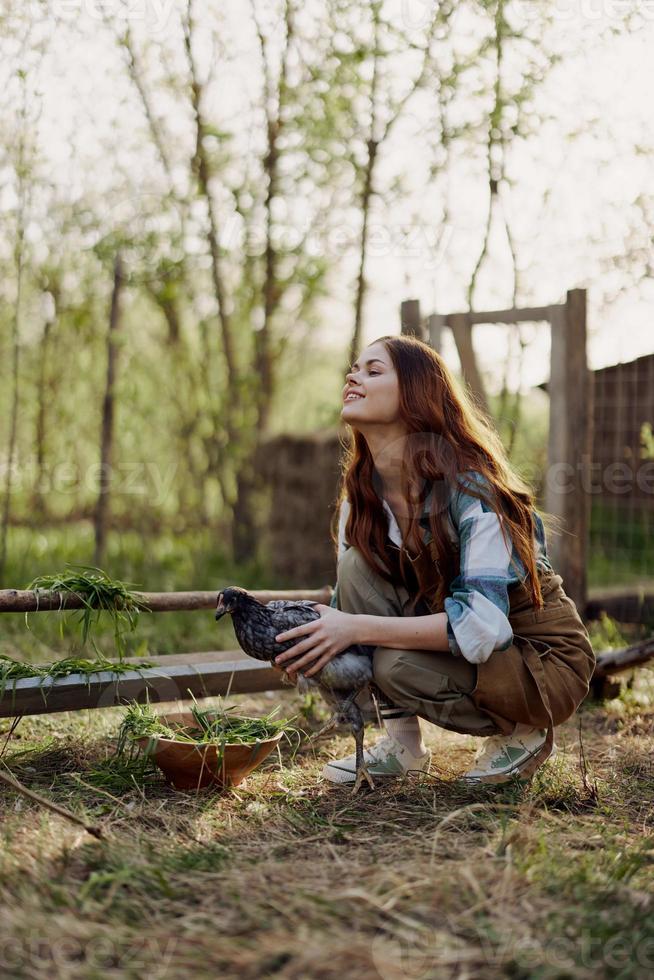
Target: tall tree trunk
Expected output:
[108,415]
[377,136]
[246,522]
[366,200]
[44,357]
[202,168]
[22,176]
[226,412]
[44,396]
[19,257]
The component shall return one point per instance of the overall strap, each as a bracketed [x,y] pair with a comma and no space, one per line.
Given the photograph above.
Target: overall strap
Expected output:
[534,664]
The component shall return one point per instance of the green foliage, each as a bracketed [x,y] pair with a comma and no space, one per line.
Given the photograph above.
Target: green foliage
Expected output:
[605,633]
[647,441]
[120,774]
[524,425]
[620,549]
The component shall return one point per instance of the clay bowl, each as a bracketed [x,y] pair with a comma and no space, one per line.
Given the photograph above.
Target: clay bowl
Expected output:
[188,766]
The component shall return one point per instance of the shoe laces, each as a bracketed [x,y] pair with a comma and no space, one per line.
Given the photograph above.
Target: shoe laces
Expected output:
[491,746]
[494,744]
[382,747]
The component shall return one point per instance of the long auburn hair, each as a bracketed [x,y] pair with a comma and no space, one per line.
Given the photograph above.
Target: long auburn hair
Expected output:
[448,434]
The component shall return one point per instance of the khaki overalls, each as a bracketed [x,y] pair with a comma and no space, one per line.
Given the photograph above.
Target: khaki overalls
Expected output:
[540,680]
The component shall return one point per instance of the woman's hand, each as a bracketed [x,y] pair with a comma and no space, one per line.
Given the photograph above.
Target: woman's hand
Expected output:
[324,638]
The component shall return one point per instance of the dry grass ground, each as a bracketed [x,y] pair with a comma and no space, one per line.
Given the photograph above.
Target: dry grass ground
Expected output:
[292,878]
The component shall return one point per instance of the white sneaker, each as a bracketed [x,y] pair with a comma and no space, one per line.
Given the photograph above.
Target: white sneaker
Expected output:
[502,757]
[387,757]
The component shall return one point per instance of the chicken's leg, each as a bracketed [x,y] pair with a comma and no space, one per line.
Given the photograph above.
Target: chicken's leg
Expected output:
[341,715]
[333,721]
[356,721]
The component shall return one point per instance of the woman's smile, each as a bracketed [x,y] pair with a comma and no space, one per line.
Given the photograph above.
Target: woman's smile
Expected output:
[373,379]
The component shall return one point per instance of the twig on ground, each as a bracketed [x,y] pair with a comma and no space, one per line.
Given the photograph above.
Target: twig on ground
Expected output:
[10,780]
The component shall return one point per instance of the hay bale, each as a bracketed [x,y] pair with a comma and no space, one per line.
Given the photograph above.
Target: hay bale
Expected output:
[300,474]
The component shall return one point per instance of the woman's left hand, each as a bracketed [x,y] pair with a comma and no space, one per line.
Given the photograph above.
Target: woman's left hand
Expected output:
[324,639]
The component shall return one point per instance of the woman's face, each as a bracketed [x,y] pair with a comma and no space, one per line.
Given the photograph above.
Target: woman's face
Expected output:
[374,379]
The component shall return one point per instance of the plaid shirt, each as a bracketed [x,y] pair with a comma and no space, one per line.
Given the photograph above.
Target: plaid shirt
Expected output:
[477,607]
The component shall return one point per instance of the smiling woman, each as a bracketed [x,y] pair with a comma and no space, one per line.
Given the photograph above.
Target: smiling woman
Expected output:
[443,574]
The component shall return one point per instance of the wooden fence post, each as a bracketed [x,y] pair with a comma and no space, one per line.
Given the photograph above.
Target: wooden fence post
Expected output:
[461,328]
[567,484]
[410,321]
[435,324]
[101,518]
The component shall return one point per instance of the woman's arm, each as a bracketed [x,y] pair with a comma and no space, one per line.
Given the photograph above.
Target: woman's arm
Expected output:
[403,632]
[478,605]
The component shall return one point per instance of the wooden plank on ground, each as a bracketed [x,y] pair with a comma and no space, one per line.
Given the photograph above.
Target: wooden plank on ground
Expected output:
[202,657]
[626,658]
[627,604]
[174,682]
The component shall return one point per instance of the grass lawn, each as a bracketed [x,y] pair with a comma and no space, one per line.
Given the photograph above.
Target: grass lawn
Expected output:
[289,877]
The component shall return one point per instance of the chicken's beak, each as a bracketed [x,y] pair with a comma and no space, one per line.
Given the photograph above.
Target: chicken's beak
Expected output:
[220,607]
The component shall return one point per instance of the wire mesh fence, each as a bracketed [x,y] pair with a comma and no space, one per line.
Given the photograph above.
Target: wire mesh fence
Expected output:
[622,474]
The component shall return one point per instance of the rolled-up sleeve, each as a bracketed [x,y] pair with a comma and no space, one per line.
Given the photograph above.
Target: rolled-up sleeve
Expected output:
[478,605]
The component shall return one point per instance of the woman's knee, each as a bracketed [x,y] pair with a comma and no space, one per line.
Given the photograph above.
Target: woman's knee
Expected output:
[386,668]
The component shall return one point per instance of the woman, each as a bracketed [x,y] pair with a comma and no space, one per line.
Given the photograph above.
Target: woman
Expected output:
[443,573]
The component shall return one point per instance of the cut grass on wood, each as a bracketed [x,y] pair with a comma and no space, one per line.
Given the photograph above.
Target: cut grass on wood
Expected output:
[100,594]
[12,670]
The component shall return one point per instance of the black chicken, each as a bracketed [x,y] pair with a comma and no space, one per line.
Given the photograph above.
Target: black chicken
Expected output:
[256,625]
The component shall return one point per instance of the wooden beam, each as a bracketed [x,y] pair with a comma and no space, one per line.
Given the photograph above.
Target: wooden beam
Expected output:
[570,443]
[461,328]
[15,600]
[526,314]
[177,682]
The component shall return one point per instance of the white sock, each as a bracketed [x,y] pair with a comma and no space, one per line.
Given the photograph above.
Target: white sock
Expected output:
[521,729]
[407,732]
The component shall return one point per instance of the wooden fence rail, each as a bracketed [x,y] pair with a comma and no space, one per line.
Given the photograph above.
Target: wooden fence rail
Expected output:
[205,677]
[15,600]
[175,677]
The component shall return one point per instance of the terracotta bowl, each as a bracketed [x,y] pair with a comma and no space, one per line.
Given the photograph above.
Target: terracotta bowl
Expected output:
[188,766]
